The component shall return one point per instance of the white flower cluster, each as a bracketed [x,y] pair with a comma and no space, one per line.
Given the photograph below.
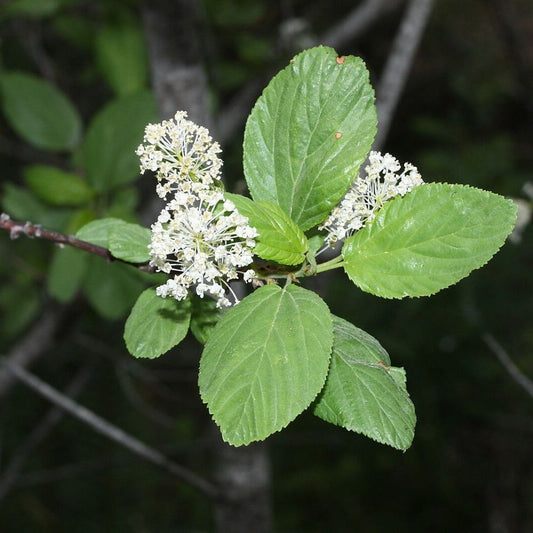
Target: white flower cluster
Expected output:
[198,237]
[368,194]
[178,151]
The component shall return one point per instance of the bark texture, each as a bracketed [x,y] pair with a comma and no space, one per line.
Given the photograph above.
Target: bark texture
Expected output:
[174,33]
[244,474]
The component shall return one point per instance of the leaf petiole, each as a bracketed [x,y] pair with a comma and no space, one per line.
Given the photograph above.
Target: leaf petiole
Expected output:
[336,262]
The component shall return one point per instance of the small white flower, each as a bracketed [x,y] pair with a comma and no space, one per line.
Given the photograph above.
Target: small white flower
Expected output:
[368,194]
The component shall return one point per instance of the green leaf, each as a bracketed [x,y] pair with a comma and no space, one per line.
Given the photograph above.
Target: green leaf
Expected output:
[123,204]
[156,325]
[39,113]
[265,362]
[30,8]
[108,151]
[80,218]
[316,242]
[308,134]
[66,272]
[22,205]
[129,242]
[363,393]
[57,187]
[205,316]
[111,288]
[98,231]
[429,239]
[122,58]
[280,239]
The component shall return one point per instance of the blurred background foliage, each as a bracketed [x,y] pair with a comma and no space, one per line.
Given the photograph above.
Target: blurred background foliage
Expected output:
[75,96]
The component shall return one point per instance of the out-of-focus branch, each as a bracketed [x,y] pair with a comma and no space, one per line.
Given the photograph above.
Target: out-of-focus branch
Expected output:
[172,32]
[356,22]
[507,20]
[110,431]
[30,36]
[231,118]
[12,471]
[38,339]
[135,399]
[27,154]
[508,363]
[398,64]
[16,229]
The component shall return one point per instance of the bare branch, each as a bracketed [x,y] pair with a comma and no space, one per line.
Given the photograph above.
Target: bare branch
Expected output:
[40,432]
[111,431]
[32,346]
[508,363]
[136,400]
[174,43]
[233,116]
[16,229]
[356,22]
[30,36]
[398,64]
[507,18]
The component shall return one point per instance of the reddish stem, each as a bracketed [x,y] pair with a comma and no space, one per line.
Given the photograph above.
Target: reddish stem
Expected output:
[16,229]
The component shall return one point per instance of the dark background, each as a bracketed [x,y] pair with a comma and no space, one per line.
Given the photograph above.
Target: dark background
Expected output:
[465,116]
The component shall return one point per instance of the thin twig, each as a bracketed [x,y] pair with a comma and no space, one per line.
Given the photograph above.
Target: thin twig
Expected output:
[398,64]
[16,229]
[508,363]
[111,431]
[38,339]
[40,432]
[131,394]
[70,470]
[30,36]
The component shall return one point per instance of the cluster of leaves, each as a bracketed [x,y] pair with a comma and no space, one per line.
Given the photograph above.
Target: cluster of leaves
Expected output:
[95,164]
[269,358]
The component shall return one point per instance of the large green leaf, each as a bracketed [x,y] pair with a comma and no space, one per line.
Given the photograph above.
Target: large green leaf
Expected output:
[122,58]
[130,242]
[114,134]
[265,362]
[57,187]
[363,393]
[39,113]
[308,134]
[156,325]
[280,239]
[429,239]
